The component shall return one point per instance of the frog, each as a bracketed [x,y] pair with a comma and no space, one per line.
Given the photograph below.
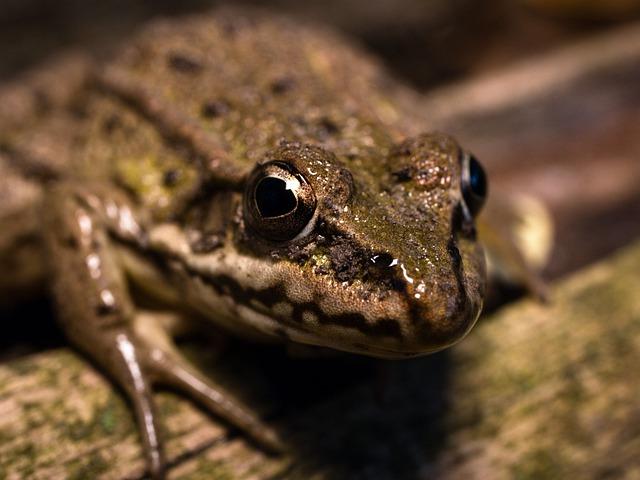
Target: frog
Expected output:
[265,175]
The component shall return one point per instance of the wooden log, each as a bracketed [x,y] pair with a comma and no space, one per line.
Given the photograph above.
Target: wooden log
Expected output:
[59,418]
[536,391]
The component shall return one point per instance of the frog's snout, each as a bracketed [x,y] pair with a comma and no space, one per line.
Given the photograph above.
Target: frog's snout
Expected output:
[441,323]
[441,306]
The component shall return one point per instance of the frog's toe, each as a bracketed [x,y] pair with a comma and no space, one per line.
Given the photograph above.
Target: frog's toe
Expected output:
[269,439]
[126,366]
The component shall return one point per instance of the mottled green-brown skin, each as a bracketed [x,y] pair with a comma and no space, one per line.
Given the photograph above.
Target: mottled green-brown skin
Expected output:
[228,76]
[244,88]
[147,164]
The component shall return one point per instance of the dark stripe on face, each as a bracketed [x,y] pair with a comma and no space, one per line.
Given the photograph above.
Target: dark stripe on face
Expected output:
[225,285]
[456,266]
[385,327]
[438,327]
[457,225]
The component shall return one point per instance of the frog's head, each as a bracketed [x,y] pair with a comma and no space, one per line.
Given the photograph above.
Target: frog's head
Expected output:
[380,260]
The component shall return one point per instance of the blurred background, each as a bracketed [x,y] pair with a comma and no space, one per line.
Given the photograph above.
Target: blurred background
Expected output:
[428,42]
[545,92]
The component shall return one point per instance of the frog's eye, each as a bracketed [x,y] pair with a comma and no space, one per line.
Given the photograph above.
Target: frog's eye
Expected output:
[279,203]
[474,184]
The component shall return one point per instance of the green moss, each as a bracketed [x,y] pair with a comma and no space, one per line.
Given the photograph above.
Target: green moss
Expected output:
[88,467]
[106,418]
[540,463]
[21,367]
[211,470]
[28,450]
[109,418]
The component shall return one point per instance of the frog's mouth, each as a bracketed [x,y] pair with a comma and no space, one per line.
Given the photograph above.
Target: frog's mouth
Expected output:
[280,299]
[285,304]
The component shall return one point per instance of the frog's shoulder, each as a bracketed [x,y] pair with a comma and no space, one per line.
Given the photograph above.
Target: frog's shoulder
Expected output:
[119,145]
[204,98]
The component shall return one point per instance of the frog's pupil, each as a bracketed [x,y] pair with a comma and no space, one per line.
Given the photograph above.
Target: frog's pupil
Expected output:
[273,198]
[477,178]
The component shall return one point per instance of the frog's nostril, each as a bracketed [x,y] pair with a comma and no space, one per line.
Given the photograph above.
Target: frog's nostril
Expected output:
[385,268]
[384,260]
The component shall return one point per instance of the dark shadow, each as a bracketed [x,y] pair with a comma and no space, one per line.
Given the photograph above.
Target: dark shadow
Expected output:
[28,328]
[335,413]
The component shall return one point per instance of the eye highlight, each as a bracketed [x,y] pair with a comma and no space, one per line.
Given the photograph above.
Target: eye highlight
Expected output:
[279,203]
[474,184]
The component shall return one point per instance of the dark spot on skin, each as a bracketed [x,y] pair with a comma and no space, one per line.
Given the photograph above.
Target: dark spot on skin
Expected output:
[282,85]
[402,175]
[299,121]
[327,128]
[103,309]
[299,253]
[346,261]
[70,241]
[171,178]
[454,252]
[385,327]
[79,110]
[41,101]
[229,27]
[183,64]
[111,123]
[215,109]
[322,270]
[232,25]
[456,266]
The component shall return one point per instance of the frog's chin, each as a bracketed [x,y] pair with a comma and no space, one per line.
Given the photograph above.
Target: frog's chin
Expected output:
[370,350]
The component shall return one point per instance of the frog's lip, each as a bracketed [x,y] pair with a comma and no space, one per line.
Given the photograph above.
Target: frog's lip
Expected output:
[370,350]
[413,343]
[398,327]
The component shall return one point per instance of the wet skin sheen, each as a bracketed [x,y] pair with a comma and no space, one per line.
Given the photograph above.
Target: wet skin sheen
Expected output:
[267,177]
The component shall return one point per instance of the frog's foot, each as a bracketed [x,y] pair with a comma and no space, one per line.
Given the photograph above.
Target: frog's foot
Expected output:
[168,367]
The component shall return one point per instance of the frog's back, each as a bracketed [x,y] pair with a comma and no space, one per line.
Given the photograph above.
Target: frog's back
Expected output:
[248,80]
[203,98]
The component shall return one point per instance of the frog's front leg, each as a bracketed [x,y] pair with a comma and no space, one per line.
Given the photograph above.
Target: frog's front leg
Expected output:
[94,307]
[97,314]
